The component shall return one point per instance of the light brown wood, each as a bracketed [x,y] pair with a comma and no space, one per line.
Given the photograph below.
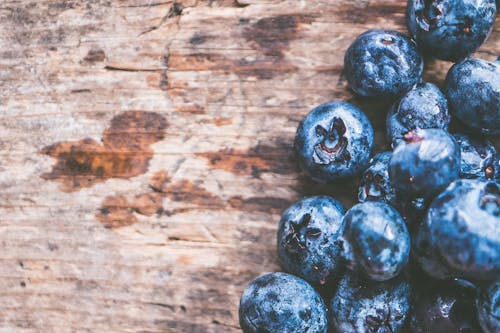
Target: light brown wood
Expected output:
[146,151]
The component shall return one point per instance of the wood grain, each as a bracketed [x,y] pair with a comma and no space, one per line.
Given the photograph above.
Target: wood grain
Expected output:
[203,99]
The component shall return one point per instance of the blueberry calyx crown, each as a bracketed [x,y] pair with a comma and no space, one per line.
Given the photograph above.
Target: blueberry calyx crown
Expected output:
[489,172]
[387,40]
[412,137]
[429,14]
[381,319]
[333,146]
[374,186]
[490,198]
[299,232]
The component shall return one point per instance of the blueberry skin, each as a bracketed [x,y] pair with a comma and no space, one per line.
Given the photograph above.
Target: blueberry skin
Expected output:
[473,90]
[488,308]
[460,236]
[425,106]
[375,184]
[450,29]
[424,163]
[383,64]
[306,239]
[361,306]
[281,303]
[479,158]
[445,306]
[375,241]
[333,142]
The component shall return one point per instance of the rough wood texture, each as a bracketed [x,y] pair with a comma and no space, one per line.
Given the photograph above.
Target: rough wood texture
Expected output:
[146,151]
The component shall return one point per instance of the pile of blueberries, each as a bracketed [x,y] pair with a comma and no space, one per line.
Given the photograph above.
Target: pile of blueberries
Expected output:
[420,252]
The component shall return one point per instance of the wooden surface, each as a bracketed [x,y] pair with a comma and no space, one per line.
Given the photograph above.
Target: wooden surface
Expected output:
[146,151]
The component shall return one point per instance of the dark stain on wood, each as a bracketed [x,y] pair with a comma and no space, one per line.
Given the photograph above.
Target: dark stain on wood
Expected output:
[276,158]
[198,38]
[125,152]
[260,204]
[119,211]
[374,13]
[271,36]
[95,55]
[187,191]
[175,10]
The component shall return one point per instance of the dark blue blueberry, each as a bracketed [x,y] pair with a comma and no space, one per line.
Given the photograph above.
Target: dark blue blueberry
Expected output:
[450,29]
[281,303]
[382,63]
[444,307]
[375,241]
[424,163]
[460,236]
[473,91]
[488,308]
[306,239]
[425,106]
[375,184]
[479,158]
[333,142]
[361,306]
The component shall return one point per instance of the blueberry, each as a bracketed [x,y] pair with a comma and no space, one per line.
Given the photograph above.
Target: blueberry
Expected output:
[382,63]
[425,106]
[333,142]
[424,163]
[450,29]
[460,235]
[444,307]
[306,239]
[281,303]
[361,306]
[479,158]
[473,91]
[488,308]
[375,241]
[375,184]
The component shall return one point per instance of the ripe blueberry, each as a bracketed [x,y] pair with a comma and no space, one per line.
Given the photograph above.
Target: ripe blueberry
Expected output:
[473,91]
[306,239]
[333,142]
[282,303]
[450,29]
[375,241]
[460,235]
[365,306]
[424,163]
[425,106]
[382,63]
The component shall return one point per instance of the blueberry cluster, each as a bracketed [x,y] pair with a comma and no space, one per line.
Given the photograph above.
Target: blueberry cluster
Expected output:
[420,252]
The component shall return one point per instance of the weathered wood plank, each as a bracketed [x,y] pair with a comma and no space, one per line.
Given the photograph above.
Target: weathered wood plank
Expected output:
[146,151]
